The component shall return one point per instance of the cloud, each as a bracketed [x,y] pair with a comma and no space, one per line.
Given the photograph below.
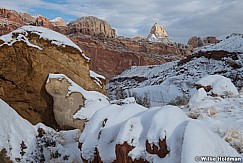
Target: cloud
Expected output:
[181,18]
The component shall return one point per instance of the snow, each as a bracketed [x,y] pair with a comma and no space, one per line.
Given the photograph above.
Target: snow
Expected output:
[93,100]
[221,85]
[232,43]
[200,141]
[102,129]
[95,75]
[198,96]
[223,116]
[44,33]
[170,82]
[57,19]
[14,131]
[97,78]
[134,124]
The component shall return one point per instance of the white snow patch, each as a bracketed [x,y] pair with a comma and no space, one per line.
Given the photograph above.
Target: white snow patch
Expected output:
[221,85]
[97,78]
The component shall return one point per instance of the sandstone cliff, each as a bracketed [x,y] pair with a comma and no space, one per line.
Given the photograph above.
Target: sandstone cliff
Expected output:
[93,26]
[27,56]
[111,57]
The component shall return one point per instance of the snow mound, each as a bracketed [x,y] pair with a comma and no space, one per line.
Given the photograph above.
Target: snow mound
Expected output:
[22,34]
[24,142]
[232,43]
[222,115]
[17,135]
[219,85]
[93,100]
[200,141]
[166,128]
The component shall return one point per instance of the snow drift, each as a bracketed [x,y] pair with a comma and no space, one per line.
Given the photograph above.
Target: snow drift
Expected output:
[131,132]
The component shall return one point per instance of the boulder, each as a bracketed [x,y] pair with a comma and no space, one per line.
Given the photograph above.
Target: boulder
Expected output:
[64,106]
[27,56]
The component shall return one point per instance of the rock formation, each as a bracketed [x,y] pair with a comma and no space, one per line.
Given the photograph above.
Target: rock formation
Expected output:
[195,41]
[64,106]
[26,59]
[93,26]
[158,34]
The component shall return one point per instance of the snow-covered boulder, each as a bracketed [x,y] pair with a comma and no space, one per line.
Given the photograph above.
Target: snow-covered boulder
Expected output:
[217,85]
[17,135]
[20,141]
[73,105]
[161,134]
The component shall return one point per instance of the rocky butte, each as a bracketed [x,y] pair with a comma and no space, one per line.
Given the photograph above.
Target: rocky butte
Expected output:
[158,34]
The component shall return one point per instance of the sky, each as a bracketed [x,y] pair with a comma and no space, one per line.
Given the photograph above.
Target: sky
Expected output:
[180,18]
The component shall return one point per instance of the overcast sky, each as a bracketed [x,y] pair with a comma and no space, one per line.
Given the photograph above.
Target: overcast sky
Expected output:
[181,18]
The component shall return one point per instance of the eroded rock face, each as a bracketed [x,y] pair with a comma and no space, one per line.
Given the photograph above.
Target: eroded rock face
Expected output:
[65,106]
[24,70]
[93,26]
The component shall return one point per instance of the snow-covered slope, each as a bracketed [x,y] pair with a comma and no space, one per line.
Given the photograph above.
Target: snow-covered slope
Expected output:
[232,43]
[17,135]
[222,115]
[171,82]
[24,142]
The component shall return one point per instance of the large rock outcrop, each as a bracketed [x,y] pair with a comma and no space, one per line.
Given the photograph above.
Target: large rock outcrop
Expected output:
[158,34]
[27,56]
[64,106]
[93,26]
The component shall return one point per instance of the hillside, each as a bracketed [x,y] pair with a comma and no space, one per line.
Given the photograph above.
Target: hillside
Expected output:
[161,84]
